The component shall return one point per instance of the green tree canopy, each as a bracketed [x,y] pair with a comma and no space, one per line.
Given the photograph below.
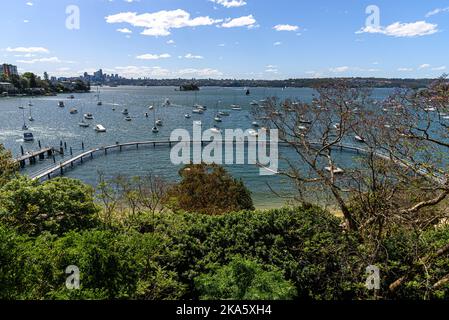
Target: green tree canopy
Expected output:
[7,165]
[209,189]
[56,206]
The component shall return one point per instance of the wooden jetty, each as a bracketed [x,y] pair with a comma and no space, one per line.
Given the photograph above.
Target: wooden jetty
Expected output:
[32,157]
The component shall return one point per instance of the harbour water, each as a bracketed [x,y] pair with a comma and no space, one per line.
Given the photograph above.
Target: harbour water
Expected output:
[54,124]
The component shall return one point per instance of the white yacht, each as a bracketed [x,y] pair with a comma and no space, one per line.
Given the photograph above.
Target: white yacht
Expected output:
[73,111]
[100,128]
[359,139]
[255,124]
[236,107]
[224,113]
[30,118]
[334,170]
[155,130]
[215,130]
[198,111]
[253,133]
[218,119]
[187,116]
[88,116]
[159,123]
[128,118]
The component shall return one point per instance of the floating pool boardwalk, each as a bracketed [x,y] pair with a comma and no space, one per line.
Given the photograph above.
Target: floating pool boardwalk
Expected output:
[58,169]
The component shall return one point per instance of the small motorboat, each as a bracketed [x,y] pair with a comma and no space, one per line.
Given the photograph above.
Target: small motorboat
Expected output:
[302,128]
[128,118]
[61,104]
[71,97]
[197,123]
[150,107]
[167,103]
[254,103]
[28,137]
[334,170]
[359,139]
[125,112]
[215,130]
[198,111]
[100,128]
[146,115]
[200,107]
[21,107]
[84,124]
[73,111]
[99,103]
[218,119]
[187,116]
[159,123]
[155,130]
[253,133]
[235,107]
[88,116]
[224,113]
[255,124]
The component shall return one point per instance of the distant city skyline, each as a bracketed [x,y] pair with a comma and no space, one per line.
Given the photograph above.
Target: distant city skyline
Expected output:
[223,39]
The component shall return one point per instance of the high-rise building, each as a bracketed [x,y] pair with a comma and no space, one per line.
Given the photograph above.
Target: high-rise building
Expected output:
[9,70]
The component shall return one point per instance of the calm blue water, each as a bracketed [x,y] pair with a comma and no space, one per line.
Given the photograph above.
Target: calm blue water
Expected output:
[53,124]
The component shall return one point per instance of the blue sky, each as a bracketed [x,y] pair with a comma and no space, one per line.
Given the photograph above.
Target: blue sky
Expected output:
[260,39]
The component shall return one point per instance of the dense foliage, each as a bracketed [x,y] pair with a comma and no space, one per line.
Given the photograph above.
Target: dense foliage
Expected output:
[280,254]
[29,83]
[209,189]
[57,206]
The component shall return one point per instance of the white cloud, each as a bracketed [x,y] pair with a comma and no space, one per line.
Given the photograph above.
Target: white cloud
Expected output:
[407,30]
[285,27]
[246,21]
[405,69]
[277,43]
[191,56]
[28,50]
[424,66]
[200,73]
[140,72]
[442,68]
[160,23]
[171,42]
[27,55]
[230,3]
[29,4]
[437,11]
[150,56]
[40,60]
[339,69]
[124,30]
